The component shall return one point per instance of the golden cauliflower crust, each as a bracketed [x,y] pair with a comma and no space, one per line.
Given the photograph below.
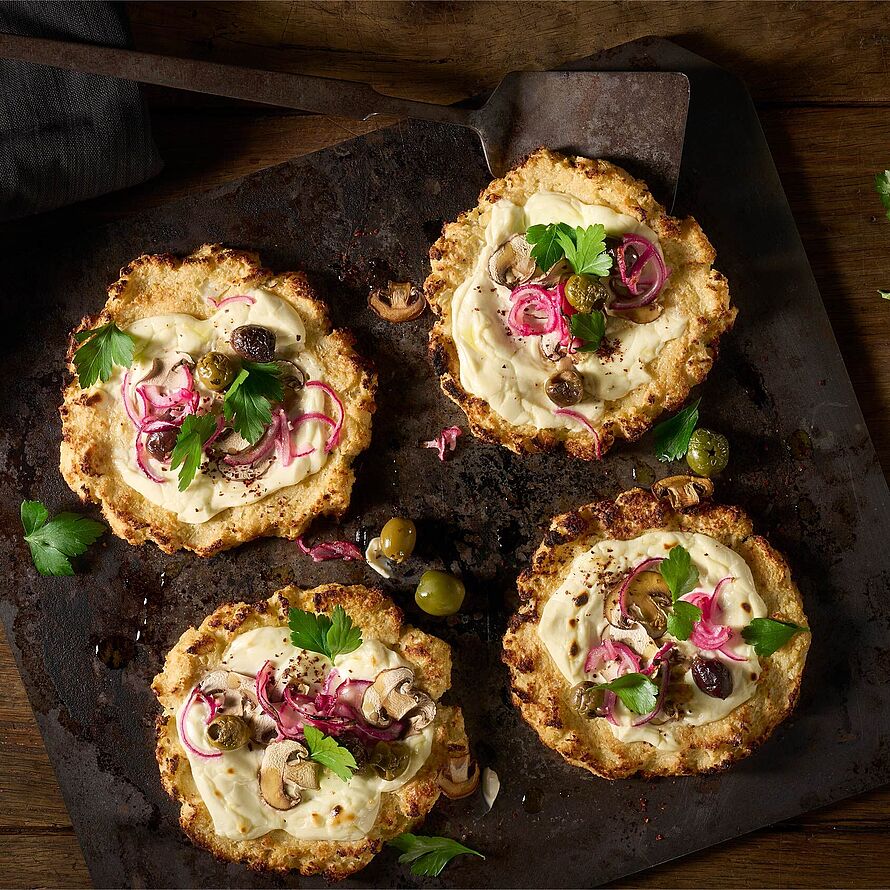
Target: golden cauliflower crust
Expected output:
[701,292]
[541,692]
[158,284]
[199,651]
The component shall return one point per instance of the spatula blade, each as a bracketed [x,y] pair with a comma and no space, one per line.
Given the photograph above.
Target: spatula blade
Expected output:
[636,119]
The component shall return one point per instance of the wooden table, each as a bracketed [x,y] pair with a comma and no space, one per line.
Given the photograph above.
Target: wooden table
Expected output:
[821,78]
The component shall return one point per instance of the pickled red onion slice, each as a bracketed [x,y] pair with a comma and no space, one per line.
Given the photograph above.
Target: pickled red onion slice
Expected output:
[568,412]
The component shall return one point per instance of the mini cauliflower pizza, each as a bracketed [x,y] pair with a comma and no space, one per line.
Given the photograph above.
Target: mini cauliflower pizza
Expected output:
[304,732]
[652,641]
[212,403]
[571,307]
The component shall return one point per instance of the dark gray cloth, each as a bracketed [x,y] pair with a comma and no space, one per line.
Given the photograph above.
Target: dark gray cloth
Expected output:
[66,136]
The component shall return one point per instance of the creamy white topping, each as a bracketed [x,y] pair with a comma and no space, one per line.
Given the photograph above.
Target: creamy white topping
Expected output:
[175,336]
[573,621]
[339,810]
[510,372]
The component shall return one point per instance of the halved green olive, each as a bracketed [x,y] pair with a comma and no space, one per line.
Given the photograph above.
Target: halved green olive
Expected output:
[228,732]
[708,452]
[439,593]
[586,293]
[214,370]
[389,759]
[586,699]
[397,539]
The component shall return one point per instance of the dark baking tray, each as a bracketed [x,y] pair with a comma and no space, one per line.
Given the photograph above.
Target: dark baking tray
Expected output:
[802,464]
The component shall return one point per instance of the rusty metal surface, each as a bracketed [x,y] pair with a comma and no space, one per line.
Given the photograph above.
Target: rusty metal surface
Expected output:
[584,112]
[802,464]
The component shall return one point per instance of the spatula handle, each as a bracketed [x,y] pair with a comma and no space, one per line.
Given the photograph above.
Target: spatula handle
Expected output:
[323,95]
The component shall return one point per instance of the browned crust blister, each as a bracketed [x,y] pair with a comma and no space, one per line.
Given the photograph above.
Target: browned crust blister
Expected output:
[540,691]
[700,291]
[154,285]
[200,650]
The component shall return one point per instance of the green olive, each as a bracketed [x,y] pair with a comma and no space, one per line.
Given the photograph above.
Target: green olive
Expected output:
[397,539]
[389,759]
[228,732]
[586,293]
[215,371]
[586,699]
[439,593]
[708,452]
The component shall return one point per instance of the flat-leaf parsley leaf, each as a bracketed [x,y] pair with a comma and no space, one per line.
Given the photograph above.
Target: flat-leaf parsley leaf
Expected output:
[428,855]
[589,327]
[585,249]
[325,750]
[248,401]
[547,250]
[767,635]
[637,692]
[53,542]
[329,636]
[681,576]
[100,350]
[672,435]
[882,185]
[196,429]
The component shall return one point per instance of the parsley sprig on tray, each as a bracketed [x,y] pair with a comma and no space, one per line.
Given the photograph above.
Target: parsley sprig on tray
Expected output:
[672,435]
[427,856]
[53,541]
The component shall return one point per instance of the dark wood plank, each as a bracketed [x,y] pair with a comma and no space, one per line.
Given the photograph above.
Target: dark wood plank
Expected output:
[41,859]
[800,52]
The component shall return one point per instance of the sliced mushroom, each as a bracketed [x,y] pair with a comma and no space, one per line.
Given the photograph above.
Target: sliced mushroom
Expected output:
[556,273]
[303,774]
[238,693]
[646,601]
[460,775]
[511,264]
[280,763]
[391,697]
[398,301]
[683,492]
[424,714]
